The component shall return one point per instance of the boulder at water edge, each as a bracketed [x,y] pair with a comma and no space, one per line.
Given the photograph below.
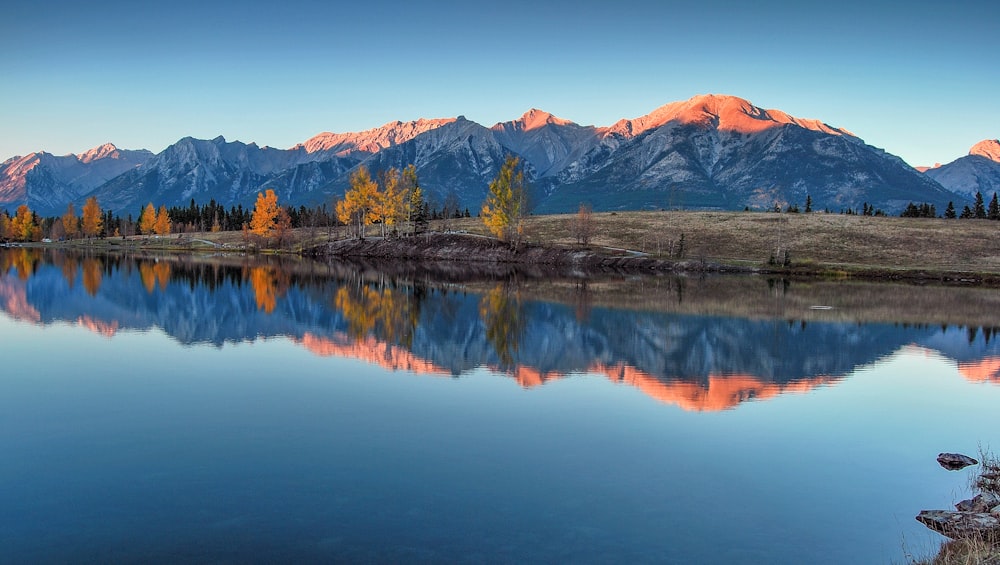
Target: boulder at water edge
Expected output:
[962,525]
[955,461]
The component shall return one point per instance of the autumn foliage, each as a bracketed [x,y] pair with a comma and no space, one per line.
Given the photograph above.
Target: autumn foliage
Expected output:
[505,202]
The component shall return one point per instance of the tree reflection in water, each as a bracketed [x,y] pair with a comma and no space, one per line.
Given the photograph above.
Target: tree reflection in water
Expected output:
[504,321]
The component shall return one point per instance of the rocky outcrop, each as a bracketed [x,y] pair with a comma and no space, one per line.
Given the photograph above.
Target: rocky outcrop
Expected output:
[975,519]
[984,502]
[962,525]
[955,461]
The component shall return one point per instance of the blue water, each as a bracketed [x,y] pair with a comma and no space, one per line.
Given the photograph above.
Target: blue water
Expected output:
[157,443]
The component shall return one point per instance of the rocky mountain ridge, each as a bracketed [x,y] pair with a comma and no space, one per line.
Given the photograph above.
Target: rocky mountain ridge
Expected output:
[708,152]
[979,171]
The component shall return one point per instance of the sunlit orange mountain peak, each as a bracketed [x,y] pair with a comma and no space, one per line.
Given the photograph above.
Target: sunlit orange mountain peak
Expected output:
[371,140]
[108,150]
[984,371]
[989,148]
[727,113]
[534,119]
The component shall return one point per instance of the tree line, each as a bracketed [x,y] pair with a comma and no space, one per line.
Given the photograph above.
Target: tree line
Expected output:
[393,199]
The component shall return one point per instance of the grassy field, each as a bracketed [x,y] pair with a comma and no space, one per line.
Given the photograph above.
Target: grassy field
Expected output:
[823,241]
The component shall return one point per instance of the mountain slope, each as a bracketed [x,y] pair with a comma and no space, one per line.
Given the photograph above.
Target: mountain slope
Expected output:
[47,183]
[723,152]
[979,171]
[708,152]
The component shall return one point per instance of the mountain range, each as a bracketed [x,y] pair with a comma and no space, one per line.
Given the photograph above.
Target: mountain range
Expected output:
[708,152]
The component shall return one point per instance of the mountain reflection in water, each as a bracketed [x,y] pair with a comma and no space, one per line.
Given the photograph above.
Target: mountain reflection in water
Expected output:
[698,344]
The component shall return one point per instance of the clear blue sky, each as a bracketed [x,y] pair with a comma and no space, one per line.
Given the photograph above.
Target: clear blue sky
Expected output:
[918,79]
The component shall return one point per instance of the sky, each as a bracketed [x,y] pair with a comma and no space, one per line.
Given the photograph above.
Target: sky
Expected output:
[918,79]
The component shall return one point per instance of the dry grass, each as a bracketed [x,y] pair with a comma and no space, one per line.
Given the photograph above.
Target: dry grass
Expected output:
[818,238]
[742,238]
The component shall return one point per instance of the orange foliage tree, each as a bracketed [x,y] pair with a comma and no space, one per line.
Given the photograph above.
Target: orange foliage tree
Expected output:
[147,221]
[161,226]
[71,224]
[265,214]
[92,221]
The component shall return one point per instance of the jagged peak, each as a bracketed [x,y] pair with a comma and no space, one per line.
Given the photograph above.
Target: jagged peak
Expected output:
[989,148]
[389,134]
[534,119]
[99,152]
[725,112]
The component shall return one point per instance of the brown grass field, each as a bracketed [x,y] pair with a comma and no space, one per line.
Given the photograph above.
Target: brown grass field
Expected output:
[827,242]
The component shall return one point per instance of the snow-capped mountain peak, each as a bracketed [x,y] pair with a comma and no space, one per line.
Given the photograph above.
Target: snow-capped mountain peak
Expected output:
[989,148]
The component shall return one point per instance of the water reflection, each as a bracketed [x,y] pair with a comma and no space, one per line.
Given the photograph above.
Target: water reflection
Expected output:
[698,344]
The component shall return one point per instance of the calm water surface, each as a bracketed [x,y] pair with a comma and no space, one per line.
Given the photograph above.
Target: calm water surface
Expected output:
[236,410]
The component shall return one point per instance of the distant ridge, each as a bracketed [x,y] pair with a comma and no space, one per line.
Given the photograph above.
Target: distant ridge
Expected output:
[979,171]
[708,152]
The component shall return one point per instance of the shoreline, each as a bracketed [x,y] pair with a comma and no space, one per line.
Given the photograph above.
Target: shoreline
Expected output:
[464,248]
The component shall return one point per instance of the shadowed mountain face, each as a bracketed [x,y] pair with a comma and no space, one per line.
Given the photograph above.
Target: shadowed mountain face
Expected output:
[708,152]
[698,362]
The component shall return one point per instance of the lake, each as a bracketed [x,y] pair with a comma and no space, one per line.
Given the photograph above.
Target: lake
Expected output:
[239,409]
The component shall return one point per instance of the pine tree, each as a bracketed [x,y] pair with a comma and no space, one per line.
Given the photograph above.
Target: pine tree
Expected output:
[949,212]
[979,211]
[809,204]
[994,210]
[418,210]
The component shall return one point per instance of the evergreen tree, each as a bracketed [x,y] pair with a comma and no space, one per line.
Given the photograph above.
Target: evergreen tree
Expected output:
[966,213]
[949,212]
[809,204]
[979,211]
[994,210]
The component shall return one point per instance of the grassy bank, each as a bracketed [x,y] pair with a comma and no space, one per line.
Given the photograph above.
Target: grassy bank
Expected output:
[828,244]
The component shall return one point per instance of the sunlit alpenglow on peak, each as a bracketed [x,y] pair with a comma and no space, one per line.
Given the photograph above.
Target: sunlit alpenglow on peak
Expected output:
[535,118]
[728,113]
[372,140]
[989,148]
[99,152]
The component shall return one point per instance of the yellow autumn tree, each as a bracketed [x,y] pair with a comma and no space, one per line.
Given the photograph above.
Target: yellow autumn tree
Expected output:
[357,207]
[148,220]
[22,225]
[71,224]
[92,221]
[505,202]
[390,201]
[265,213]
[161,225]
